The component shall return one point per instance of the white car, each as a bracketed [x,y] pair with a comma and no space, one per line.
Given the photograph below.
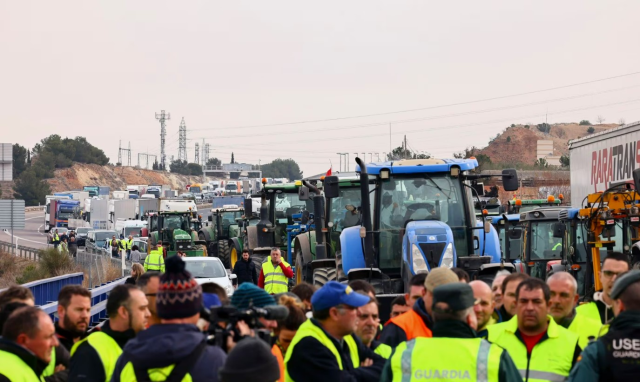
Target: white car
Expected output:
[210,270]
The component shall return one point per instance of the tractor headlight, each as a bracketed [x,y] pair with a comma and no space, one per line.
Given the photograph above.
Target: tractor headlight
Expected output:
[447,258]
[417,260]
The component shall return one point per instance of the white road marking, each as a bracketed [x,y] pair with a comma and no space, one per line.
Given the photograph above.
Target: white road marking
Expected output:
[23,239]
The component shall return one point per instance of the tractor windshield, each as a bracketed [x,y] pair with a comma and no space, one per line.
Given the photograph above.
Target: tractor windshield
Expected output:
[421,197]
[176,222]
[543,245]
[345,209]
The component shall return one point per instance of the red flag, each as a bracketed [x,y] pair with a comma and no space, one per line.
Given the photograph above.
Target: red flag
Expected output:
[329,172]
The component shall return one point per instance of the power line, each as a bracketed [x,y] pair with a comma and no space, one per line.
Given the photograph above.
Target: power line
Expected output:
[428,107]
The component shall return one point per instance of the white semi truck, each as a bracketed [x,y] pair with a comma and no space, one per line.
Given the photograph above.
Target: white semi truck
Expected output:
[601,160]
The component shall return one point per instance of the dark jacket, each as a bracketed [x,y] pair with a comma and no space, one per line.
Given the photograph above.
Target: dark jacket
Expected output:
[393,335]
[167,344]
[62,358]
[507,372]
[592,363]
[35,363]
[311,361]
[65,337]
[86,364]
[504,314]
[246,271]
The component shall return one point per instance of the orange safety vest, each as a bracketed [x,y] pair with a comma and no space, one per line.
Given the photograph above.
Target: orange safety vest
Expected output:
[275,350]
[412,324]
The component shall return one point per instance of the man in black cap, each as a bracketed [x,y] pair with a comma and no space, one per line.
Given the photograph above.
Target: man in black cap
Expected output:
[250,361]
[614,357]
[454,352]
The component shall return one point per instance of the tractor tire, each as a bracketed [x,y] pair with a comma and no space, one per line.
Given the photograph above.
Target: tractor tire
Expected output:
[224,253]
[340,275]
[258,259]
[323,275]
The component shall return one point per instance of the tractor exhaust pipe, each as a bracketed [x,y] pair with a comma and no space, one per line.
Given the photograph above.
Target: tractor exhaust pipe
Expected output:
[369,257]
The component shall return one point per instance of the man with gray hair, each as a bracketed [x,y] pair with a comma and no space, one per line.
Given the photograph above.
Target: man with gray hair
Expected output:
[454,352]
[564,298]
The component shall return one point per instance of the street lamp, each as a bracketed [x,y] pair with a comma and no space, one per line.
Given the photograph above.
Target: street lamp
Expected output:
[341,154]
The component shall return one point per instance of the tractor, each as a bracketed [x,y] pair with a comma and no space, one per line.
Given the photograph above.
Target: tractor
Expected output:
[222,234]
[174,230]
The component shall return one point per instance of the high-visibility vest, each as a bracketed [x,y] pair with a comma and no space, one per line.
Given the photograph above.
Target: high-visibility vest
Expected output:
[128,373]
[56,237]
[309,329]
[107,348]
[412,324]
[274,279]
[16,370]
[590,310]
[128,244]
[441,358]
[383,350]
[51,368]
[275,350]
[154,261]
[585,327]
[558,347]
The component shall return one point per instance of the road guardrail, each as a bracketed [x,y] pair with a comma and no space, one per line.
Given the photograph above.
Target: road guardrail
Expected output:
[46,290]
[21,251]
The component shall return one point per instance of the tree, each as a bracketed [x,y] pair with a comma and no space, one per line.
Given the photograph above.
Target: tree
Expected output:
[541,163]
[232,158]
[591,130]
[155,165]
[584,122]
[30,188]
[402,153]
[183,168]
[600,119]
[194,169]
[54,152]
[509,139]
[544,127]
[282,168]
[20,160]
[214,162]
[564,161]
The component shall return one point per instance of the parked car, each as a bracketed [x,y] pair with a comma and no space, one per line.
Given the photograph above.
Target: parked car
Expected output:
[61,231]
[97,239]
[210,269]
[81,236]
[141,242]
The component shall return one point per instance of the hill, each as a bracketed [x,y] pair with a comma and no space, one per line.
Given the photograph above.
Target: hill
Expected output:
[517,144]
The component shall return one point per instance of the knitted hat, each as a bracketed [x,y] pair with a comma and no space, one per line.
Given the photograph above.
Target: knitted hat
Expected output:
[179,295]
[249,294]
[250,361]
[440,276]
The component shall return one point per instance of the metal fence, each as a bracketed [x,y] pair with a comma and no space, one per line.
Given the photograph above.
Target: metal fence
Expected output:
[46,290]
[20,251]
[100,267]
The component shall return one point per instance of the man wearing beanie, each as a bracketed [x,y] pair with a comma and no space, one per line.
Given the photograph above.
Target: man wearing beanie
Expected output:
[250,361]
[249,295]
[175,348]
[417,322]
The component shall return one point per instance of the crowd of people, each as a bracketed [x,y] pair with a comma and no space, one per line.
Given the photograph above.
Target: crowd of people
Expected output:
[161,326]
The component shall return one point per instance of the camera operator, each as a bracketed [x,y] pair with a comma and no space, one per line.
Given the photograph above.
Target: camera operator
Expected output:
[175,348]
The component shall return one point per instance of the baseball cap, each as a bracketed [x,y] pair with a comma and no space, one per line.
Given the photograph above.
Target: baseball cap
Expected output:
[334,294]
[458,296]
[623,282]
[440,276]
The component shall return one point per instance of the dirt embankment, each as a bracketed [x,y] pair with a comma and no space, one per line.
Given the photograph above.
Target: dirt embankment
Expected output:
[518,144]
[115,177]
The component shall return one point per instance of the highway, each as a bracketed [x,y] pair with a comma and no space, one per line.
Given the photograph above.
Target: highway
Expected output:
[32,235]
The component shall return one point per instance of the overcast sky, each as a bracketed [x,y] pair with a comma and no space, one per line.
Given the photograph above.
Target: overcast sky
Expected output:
[103,69]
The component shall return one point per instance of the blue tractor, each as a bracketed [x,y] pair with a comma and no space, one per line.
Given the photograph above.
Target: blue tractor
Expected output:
[416,215]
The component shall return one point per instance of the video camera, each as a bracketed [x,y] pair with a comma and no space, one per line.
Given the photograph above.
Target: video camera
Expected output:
[223,322]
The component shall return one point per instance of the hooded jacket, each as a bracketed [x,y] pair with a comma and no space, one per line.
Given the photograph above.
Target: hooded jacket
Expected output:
[168,344]
[246,271]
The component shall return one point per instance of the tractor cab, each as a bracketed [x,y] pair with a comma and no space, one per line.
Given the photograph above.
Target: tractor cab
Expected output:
[174,230]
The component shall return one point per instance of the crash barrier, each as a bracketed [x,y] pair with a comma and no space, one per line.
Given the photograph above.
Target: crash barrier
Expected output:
[46,290]
[31,209]
[20,251]
[99,296]
[100,266]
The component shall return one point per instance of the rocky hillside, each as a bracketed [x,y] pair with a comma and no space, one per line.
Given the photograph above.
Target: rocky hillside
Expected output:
[117,178]
[518,144]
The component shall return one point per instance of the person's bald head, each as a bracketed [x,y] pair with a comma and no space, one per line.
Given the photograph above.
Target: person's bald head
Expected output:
[485,304]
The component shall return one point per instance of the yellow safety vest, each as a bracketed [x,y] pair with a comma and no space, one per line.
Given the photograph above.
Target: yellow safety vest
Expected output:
[309,329]
[158,374]
[585,327]
[12,367]
[590,310]
[51,368]
[550,360]
[56,237]
[128,243]
[274,279]
[154,261]
[441,358]
[383,350]
[107,348]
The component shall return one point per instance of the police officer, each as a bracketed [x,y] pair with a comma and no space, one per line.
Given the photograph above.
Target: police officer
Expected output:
[564,297]
[541,349]
[154,260]
[94,357]
[275,273]
[614,356]
[454,352]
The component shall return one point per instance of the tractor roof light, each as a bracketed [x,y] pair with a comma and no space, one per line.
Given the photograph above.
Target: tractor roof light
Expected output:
[298,183]
[454,171]
[561,197]
[551,199]
[264,180]
[385,174]
[518,202]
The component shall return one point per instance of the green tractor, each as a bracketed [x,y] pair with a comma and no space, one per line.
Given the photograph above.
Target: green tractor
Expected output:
[222,234]
[175,232]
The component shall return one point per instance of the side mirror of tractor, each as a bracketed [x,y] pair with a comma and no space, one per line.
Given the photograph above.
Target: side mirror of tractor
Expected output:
[510,179]
[210,218]
[303,193]
[487,225]
[558,230]
[331,187]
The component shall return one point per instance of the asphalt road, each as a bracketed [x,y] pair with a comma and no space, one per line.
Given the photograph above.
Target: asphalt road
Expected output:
[32,235]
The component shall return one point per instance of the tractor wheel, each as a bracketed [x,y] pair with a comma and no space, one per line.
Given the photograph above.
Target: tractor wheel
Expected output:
[323,275]
[233,256]
[258,259]
[340,275]
[224,252]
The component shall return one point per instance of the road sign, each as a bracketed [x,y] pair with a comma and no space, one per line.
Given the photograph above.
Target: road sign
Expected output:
[6,162]
[11,214]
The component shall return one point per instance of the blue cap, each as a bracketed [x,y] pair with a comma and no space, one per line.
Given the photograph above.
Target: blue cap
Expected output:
[334,294]
[210,300]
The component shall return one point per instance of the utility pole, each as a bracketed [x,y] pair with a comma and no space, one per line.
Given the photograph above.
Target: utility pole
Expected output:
[129,154]
[146,156]
[162,117]
[120,152]
[345,163]
[206,154]
[197,154]
[182,141]
[405,148]
[202,156]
